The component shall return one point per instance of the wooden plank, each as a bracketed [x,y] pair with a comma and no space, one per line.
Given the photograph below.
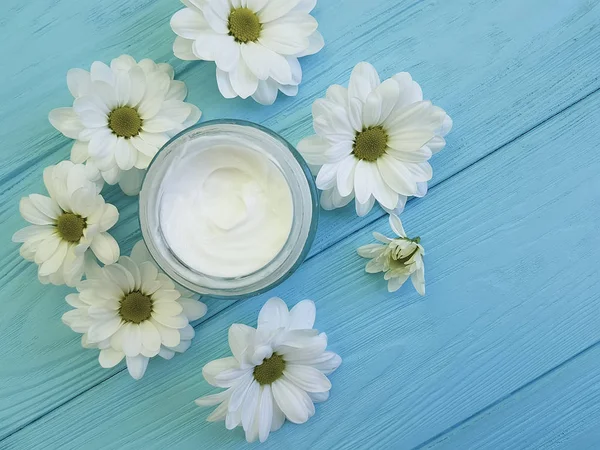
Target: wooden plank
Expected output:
[560,410]
[512,292]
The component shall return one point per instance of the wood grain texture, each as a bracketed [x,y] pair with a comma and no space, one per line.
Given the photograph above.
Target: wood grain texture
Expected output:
[497,78]
[560,410]
[512,293]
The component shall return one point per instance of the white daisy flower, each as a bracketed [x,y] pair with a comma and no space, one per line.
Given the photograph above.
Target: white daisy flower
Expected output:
[131,310]
[122,115]
[400,258]
[65,225]
[254,43]
[277,371]
[374,141]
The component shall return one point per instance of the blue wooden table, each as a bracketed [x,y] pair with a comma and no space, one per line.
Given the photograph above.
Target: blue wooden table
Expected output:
[503,352]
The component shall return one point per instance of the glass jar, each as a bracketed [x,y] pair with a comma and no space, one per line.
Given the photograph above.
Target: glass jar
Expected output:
[255,138]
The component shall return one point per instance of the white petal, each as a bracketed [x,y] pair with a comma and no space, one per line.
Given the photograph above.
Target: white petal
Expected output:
[282,40]
[382,192]
[132,339]
[103,330]
[264,62]
[307,378]
[436,144]
[315,45]
[249,412]
[240,337]
[140,254]
[167,308]
[187,333]
[276,9]
[33,233]
[122,88]
[109,217]
[239,392]
[214,368]
[380,103]
[327,362]
[170,336]
[274,314]
[396,283]
[296,23]
[265,413]
[345,175]
[313,149]
[362,209]
[331,199]
[446,126]
[79,152]
[47,248]
[396,225]
[266,93]
[133,269]
[112,175]
[213,399]
[396,175]
[183,49]
[224,84]
[339,95]
[79,82]
[216,13]
[105,248]
[148,271]
[327,176]
[166,296]
[302,315]
[291,400]
[102,144]
[418,282]
[413,126]
[243,81]
[53,264]
[137,366]
[125,154]
[151,338]
[363,81]
[416,155]
[122,63]
[188,23]
[101,72]
[157,86]
[66,121]
[179,321]
[318,397]
[410,91]
[47,206]
[110,358]
[177,91]
[193,309]
[131,181]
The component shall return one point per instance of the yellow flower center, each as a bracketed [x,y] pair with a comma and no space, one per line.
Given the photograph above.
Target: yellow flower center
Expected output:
[370,143]
[125,121]
[70,227]
[244,25]
[135,307]
[270,370]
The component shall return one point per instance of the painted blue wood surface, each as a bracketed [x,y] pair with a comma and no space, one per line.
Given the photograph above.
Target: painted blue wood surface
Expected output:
[505,305]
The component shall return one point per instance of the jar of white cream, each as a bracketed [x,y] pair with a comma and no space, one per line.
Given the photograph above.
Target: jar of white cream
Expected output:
[228,208]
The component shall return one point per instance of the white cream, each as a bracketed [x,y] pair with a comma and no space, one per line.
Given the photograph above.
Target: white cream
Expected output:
[225,211]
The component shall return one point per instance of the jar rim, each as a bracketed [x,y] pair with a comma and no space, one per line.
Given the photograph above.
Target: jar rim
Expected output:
[304,196]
